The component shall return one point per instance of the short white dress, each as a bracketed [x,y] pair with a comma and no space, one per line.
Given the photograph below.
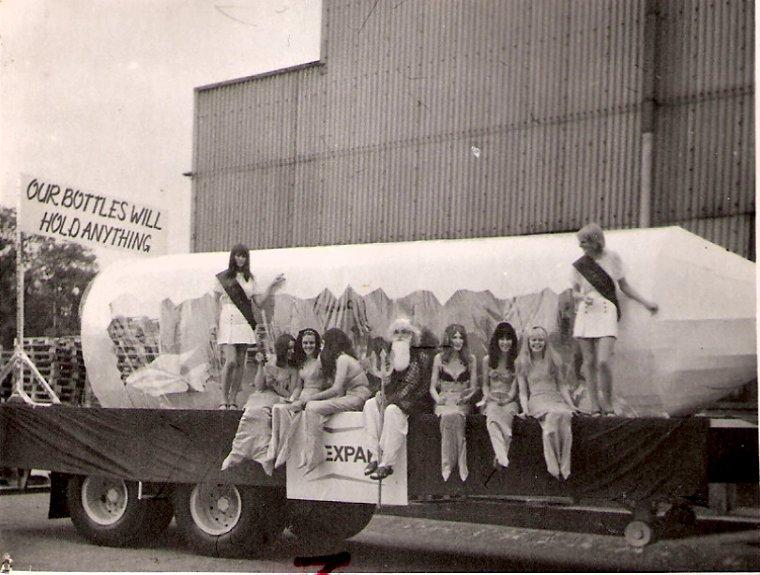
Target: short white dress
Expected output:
[599,318]
[233,327]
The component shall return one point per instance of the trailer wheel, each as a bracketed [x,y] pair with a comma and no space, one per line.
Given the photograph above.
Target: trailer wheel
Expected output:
[326,522]
[223,520]
[108,512]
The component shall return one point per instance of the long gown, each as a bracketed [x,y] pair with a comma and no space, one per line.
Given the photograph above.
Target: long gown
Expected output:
[283,430]
[499,418]
[546,404]
[452,422]
[255,428]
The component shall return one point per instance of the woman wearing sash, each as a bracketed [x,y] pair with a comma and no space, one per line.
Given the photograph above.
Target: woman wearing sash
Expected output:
[544,395]
[347,392]
[273,383]
[235,289]
[452,385]
[596,278]
[500,390]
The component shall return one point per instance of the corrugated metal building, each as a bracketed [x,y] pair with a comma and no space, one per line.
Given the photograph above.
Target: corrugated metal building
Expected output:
[448,119]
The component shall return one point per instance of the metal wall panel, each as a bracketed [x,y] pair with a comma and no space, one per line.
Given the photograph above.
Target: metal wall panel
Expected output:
[479,118]
[704,145]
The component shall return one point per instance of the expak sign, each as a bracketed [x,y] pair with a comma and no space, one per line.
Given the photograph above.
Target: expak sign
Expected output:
[65,212]
[341,476]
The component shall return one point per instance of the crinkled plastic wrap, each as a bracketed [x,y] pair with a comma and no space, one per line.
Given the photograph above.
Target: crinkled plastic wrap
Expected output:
[148,326]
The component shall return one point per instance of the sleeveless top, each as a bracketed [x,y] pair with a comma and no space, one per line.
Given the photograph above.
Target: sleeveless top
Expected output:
[356,380]
[311,374]
[500,381]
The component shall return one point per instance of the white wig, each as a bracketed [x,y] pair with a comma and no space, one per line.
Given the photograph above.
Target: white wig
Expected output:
[403,324]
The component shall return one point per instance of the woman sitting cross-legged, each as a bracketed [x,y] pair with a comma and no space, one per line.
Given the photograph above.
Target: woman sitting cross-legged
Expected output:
[272,385]
[545,396]
[347,392]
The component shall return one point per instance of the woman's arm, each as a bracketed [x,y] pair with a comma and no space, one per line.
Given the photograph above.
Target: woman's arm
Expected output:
[260,299]
[337,388]
[486,385]
[522,384]
[629,290]
[473,389]
[259,380]
[434,381]
[297,389]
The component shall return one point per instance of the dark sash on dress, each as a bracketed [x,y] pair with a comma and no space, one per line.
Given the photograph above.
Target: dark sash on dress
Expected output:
[598,278]
[237,296]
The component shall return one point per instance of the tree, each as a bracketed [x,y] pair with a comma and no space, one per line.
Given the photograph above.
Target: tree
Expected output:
[57,273]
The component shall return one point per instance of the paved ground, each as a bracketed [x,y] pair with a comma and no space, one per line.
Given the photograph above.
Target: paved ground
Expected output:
[389,543]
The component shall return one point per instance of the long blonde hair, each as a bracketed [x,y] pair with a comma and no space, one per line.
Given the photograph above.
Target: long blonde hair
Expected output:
[525,360]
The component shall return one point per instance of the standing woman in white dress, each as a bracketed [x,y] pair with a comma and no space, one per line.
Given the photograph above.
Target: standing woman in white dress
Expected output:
[235,289]
[596,278]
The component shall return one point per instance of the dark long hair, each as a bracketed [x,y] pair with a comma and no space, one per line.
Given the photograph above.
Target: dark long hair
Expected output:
[335,342]
[448,351]
[503,330]
[281,349]
[232,269]
[300,357]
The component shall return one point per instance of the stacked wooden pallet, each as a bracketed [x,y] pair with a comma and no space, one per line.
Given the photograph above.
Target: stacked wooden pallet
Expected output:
[68,377]
[6,385]
[41,350]
[136,342]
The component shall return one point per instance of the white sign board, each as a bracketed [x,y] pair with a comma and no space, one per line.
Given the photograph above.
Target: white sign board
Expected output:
[65,212]
[341,476]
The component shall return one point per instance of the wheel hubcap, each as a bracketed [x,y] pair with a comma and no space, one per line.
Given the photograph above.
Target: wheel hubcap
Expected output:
[216,509]
[104,500]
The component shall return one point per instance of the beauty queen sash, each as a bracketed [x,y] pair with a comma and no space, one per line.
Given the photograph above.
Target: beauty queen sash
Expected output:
[237,296]
[600,279]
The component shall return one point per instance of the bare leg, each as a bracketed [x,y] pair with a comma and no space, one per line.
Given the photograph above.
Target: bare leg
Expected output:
[589,366]
[566,443]
[605,349]
[237,378]
[228,371]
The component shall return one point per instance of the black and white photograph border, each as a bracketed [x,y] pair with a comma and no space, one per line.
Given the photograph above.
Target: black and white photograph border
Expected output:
[378,286]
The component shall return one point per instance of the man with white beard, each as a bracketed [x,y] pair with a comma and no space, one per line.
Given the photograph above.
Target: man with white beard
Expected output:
[405,392]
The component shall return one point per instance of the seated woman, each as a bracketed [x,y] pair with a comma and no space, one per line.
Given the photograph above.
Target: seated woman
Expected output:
[272,384]
[455,373]
[347,392]
[545,396]
[500,390]
[309,383]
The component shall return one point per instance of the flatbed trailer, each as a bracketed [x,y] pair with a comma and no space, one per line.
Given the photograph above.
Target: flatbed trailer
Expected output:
[118,491]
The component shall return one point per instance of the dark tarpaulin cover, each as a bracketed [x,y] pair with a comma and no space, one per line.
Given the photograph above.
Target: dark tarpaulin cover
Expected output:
[177,446]
[612,458]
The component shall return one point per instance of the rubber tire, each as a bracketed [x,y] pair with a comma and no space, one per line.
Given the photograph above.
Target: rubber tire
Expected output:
[640,533]
[260,524]
[142,519]
[327,522]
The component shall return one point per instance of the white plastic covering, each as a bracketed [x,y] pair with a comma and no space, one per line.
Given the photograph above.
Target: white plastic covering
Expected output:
[700,346]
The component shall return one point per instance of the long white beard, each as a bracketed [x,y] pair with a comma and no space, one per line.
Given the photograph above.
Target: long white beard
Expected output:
[400,355]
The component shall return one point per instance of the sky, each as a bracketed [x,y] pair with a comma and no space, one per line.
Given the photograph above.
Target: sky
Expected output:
[99,93]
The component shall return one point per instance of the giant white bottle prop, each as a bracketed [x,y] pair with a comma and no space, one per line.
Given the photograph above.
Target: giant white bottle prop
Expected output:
[147,325]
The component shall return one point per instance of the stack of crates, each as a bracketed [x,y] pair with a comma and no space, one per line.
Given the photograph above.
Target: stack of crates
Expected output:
[69,373]
[6,385]
[136,342]
[41,350]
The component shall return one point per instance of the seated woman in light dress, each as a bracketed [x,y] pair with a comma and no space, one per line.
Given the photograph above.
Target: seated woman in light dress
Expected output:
[544,395]
[500,390]
[348,390]
[309,383]
[453,384]
[273,383]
